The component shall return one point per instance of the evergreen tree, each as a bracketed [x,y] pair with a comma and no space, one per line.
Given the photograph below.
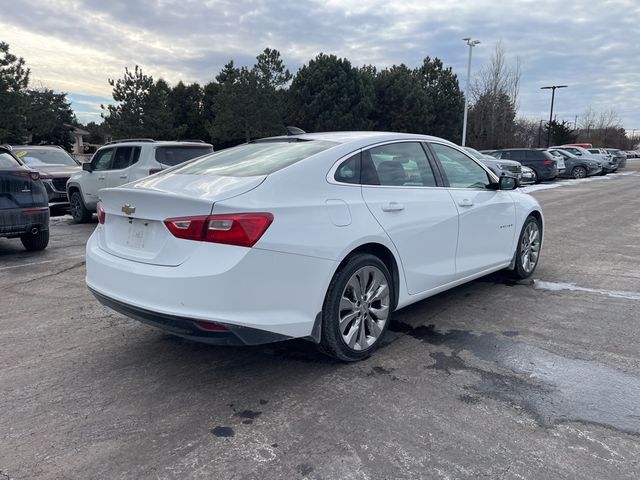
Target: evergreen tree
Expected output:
[14,80]
[50,118]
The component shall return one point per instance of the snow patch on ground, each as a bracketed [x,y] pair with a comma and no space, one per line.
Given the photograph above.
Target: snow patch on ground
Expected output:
[556,287]
[564,183]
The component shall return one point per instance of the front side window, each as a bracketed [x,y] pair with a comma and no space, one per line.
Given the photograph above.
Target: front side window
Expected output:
[461,171]
[102,160]
[253,159]
[403,164]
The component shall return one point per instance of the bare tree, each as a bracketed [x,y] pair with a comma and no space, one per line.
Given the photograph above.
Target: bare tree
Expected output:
[495,102]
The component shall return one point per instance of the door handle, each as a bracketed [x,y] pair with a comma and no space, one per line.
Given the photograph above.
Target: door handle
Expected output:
[465,202]
[392,207]
[100,178]
[123,176]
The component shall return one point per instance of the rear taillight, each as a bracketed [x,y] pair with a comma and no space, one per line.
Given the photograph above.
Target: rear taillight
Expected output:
[241,229]
[102,216]
[548,162]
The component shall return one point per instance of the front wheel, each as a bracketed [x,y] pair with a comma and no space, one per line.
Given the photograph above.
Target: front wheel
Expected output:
[357,308]
[535,176]
[34,242]
[528,248]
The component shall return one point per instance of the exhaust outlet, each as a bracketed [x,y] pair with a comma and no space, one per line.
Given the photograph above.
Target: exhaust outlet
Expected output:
[34,231]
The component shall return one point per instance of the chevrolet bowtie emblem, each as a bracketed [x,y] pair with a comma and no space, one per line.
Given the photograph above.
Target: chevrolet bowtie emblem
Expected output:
[128,209]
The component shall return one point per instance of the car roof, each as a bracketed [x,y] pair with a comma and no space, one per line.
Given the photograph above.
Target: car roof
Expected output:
[368,137]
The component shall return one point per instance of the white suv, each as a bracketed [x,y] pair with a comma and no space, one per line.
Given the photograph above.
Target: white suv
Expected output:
[123,161]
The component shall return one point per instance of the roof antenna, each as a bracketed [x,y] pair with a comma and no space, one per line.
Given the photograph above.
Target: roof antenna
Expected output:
[295,131]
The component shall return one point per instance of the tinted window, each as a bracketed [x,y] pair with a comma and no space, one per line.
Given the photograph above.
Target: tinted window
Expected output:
[349,170]
[136,155]
[122,157]
[461,171]
[254,158]
[397,164]
[45,156]
[175,155]
[102,159]
[7,161]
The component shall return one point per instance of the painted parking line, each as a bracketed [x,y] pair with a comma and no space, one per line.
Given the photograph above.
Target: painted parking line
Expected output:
[30,264]
[555,287]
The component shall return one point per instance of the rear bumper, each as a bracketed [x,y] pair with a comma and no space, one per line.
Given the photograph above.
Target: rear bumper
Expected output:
[14,222]
[251,289]
[189,328]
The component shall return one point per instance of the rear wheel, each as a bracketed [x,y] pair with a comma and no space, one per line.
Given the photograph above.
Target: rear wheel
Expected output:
[79,212]
[579,172]
[357,308]
[34,242]
[528,248]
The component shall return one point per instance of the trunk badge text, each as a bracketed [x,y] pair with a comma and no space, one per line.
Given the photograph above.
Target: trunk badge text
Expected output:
[128,209]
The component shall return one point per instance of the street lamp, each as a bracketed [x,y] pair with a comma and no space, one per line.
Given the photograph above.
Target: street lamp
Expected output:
[553,94]
[471,43]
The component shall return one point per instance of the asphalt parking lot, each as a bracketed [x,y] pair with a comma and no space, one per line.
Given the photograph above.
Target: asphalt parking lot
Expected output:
[494,379]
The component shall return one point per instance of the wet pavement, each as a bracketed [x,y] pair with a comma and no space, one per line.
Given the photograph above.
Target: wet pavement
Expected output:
[493,379]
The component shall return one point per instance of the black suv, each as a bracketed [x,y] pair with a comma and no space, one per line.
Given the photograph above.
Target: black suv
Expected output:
[540,161]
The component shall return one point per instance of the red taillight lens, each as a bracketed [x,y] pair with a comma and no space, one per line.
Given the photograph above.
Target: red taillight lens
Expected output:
[241,229]
[548,162]
[211,326]
[102,216]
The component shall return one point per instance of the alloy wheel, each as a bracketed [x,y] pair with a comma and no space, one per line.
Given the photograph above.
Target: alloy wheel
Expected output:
[530,247]
[579,172]
[364,308]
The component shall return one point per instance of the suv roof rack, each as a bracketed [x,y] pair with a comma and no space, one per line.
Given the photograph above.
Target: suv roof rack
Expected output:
[123,140]
[192,140]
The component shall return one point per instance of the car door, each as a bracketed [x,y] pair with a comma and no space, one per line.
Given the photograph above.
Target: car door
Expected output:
[93,181]
[486,217]
[399,187]
[119,172]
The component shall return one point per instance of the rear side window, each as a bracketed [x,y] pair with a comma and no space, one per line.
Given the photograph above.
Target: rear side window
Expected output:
[402,164]
[349,170]
[254,158]
[121,160]
[175,155]
[7,161]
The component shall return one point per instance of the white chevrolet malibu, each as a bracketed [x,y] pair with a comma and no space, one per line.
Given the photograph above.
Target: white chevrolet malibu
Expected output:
[320,236]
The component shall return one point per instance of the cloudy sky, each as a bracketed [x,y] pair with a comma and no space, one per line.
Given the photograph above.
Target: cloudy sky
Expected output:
[76,45]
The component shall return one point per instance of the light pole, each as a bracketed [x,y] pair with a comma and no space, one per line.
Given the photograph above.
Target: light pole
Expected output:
[553,94]
[471,43]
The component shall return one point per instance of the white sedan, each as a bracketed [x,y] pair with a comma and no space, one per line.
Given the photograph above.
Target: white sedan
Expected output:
[320,236]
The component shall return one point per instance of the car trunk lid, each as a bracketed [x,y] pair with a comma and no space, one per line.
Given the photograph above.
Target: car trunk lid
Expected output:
[134,227]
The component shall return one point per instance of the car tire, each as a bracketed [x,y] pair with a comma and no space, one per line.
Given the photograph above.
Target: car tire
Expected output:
[36,242]
[535,176]
[355,319]
[529,243]
[78,209]
[579,172]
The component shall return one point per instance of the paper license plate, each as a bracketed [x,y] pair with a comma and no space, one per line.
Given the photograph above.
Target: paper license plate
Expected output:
[137,231]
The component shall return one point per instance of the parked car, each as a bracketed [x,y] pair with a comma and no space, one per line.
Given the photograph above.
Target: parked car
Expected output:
[577,167]
[619,155]
[55,166]
[320,236]
[123,161]
[499,167]
[528,176]
[544,165]
[601,152]
[608,164]
[24,207]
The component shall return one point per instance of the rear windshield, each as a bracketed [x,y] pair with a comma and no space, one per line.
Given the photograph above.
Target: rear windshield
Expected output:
[254,159]
[175,155]
[7,161]
[45,156]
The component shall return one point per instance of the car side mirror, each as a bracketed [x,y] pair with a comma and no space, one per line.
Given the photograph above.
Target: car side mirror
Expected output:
[507,183]
[87,167]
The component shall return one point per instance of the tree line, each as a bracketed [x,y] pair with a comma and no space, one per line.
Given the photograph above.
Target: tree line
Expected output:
[328,93]
[30,114]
